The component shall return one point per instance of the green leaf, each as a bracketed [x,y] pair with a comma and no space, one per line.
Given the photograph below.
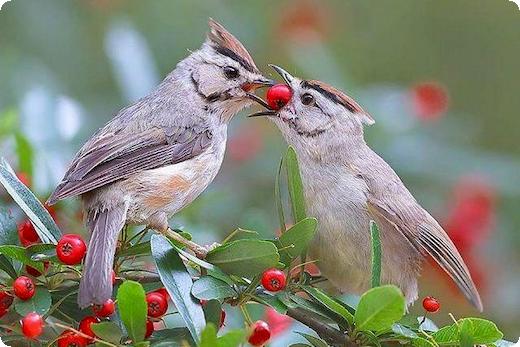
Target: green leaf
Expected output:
[481,331]
[208,288]
[329,303]
[45,227]
[178,282]
[272,301]
[465,334]
[298,236]
[8,121]
[212,269]
[379,308]
[239,234]
[142,248]
[403,331]
[20,254]
[208,337]
[8,236]
[131,302]
[212,311]
[422,342]
[171,337]
[107,331]
[376,254]
[39,303]
[232,339]
[25,153]
[244,258]
[295,185]
[314,341]
[447,335]
[278,197]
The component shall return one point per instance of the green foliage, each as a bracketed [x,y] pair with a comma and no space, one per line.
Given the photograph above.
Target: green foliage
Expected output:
[44,224]
[379,308]
[376,254]
[244,258]
[228,276]
[131,302]
[178,282]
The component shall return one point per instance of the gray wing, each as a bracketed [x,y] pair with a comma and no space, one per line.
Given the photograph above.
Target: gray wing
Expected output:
[391,201]
[112,157]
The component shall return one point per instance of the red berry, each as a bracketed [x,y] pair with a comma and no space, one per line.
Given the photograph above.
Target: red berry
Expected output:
[104,310]
[5,300]
[84,326]
[34,272]
[70,339]
[23,287]
[431,304]
[32,325]
[3,311]
[24,178]
[149,329]
[430,100]
[273,280]
[157,304]
[260,333]
[278,96]
[71,249]
[163,292]
[27,233]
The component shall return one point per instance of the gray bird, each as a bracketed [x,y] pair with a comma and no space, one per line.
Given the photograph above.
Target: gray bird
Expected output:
[158,154]
[346,184]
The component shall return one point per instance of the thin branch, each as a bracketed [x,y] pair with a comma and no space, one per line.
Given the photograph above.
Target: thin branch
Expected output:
[199,251]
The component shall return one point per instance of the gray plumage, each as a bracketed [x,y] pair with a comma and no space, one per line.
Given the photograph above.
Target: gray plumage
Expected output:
[346,185]
[158,154]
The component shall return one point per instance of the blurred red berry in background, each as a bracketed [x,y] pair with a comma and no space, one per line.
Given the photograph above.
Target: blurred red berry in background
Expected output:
[279,323]
[305,21]
[24,178]
[430,100]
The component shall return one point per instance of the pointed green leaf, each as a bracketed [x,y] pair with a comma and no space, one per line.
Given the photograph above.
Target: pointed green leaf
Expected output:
[422,342]
[245,258]
[278,197]
[481,331]
[313,340]
[376,254]
[20,254]
[178,283]
[209,336]
[208,288]
[131,302]
[25,153]
[233,338]
[295,185]
[296,239]
[212,312]
[379,308]
[329,303]
[39,303]
[43,223]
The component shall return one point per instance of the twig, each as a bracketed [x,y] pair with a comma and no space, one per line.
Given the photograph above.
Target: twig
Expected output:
[331,335]
[199,251]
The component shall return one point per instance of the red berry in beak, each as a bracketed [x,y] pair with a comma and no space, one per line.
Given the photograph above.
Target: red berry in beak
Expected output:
[278,96]
[71,249]
[273,280]
[431,304]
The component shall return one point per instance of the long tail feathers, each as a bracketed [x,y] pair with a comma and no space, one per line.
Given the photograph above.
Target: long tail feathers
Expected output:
[96,283]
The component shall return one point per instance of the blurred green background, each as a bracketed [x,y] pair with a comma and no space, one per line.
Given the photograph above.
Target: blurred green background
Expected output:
[441,78]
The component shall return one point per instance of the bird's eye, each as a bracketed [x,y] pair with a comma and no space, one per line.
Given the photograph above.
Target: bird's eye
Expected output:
[231,72]
[307,99]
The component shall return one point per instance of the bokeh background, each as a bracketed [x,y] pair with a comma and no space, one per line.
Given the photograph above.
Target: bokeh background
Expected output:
[441,78]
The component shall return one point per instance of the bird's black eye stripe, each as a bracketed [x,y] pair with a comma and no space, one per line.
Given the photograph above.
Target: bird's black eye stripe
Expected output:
[307,99]
[231,72]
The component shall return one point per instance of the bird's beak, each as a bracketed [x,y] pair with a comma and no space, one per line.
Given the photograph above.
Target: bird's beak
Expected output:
[258,83]
[287,77]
